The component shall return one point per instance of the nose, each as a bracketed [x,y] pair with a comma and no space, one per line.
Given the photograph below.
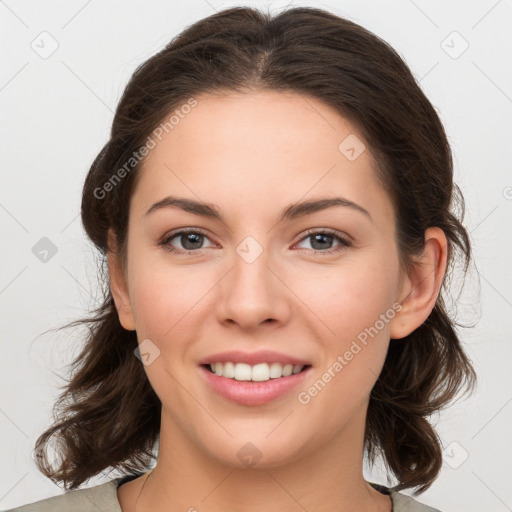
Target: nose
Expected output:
[253,292]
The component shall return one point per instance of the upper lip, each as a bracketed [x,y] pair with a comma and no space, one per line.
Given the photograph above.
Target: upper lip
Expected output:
[253,358]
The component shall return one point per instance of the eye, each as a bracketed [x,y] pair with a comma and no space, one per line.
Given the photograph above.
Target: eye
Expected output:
[190,240]
[322,240]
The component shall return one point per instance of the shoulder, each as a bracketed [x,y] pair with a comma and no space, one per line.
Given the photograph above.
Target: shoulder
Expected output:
[404,503]
[104,497]
[100,497]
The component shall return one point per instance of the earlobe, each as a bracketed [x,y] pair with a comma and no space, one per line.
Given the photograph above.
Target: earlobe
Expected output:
[422,286]
[118,285]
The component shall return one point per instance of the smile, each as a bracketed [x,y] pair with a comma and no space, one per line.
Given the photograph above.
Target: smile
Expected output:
[257,373]
[247,390]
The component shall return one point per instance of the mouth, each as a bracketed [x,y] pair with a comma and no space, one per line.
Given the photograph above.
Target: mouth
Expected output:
[253,385]
[261,372]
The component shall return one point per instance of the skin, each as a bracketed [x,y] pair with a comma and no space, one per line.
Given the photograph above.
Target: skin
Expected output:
[251,155]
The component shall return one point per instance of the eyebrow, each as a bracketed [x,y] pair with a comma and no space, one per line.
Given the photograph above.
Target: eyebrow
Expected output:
[291,211]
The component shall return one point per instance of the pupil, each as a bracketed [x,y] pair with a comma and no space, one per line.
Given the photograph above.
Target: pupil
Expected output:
[193,238]
[320,237]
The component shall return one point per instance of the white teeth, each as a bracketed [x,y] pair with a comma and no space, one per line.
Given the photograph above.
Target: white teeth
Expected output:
[242,371]
[287,370]
[276,370]
[297,368]
[228,370]
[258,373]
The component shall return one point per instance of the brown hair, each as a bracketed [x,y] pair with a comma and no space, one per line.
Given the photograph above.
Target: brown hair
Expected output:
[108,415]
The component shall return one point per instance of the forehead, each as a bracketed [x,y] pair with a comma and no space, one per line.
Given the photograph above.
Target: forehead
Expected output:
[260,123]
[259,150]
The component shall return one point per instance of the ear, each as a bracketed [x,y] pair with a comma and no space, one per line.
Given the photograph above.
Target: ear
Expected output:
[420,289]
[118,285]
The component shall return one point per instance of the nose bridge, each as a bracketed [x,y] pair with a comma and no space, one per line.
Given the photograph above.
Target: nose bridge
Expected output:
[252,293]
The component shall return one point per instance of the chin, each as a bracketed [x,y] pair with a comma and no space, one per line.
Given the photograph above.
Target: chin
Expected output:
[256,451]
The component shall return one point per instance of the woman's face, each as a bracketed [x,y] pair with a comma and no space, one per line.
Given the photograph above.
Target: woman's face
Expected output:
[261,272]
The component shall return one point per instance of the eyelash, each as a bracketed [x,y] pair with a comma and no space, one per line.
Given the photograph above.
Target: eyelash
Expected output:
[344,242]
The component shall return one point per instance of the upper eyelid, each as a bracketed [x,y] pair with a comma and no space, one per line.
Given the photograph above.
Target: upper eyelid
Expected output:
[329,231]
[183,231]
[180,231]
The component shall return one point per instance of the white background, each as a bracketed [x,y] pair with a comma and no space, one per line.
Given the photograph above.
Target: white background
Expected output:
[56,117]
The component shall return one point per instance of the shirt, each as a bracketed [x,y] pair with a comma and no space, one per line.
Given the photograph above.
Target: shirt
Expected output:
[104,498]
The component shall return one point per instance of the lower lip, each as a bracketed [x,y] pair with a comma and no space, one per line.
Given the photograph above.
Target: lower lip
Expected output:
[250,392]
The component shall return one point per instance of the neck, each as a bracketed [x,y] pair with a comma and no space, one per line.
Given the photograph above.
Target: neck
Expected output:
[327,479]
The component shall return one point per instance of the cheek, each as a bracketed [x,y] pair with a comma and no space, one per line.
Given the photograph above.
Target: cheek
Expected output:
[351,298]
[357,306]
[166,300]
[166,308]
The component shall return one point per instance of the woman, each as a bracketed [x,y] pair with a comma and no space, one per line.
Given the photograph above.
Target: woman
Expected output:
[274,212]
